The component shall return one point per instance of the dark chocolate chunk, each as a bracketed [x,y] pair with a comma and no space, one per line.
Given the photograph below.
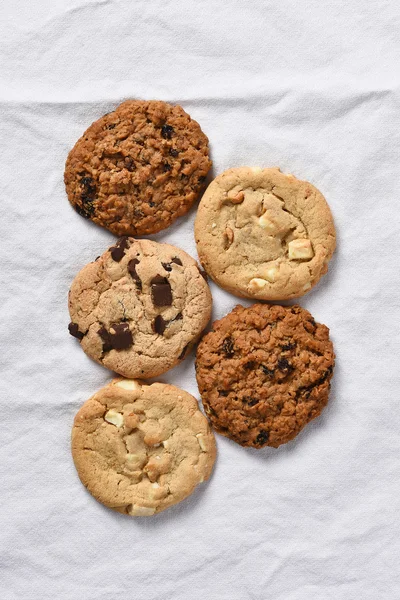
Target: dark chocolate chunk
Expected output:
[118,251]
[132,272]
[74,330]
[168,266]
[173,152]
[262,437]
[227,347]
[182,354]
[105,336]
[167,131]
[159,325]
[267,371]
[120,336]
[284,365]
[161,291]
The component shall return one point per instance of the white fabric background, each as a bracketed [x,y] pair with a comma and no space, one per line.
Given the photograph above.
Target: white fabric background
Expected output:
[308,85]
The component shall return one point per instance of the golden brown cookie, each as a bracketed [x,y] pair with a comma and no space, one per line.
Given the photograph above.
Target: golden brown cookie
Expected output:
[139,307]
[138,168]
[140,448]
[262,234]
[264,372]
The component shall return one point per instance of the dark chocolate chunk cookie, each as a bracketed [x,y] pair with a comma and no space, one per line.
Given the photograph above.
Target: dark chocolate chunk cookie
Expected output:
[139,307]
[138,168]
[264,372]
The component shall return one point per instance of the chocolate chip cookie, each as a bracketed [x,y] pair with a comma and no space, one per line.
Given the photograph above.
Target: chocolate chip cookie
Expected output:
[139,307]
[138,168]
[264,372]
[139,448]
[262,234]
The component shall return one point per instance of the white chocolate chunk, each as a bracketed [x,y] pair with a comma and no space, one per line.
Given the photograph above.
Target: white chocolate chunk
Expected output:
[257,284]
[213,226]
[270,274]
[114,417]
[128,384]
[300,250]
[200,439]
[141,511]
[266,223]
[306,287]
[256,169]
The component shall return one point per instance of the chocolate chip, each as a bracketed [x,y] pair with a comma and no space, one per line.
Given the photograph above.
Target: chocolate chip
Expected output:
[161,291]
[288,346]
[168,266]
[74,331]
[182,354]
[167,131]
[178,317]
[167,167]
[176,260]
[132,272]
[173,152]
[118,251]
[262,437]
[284,365]
[227,347]
[105,336]
[267,371]
[120,336]
[159,325]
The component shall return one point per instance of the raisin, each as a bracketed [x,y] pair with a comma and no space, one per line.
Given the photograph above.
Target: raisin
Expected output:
[262,437]
[284,365]
[227,347]
[167,131]
[267,371]
[173,152]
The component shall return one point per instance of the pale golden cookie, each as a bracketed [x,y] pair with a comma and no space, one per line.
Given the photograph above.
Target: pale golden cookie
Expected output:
[139,307]
[262,234]
[139,449]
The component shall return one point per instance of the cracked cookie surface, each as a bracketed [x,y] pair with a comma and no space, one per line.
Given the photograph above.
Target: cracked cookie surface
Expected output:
[262,234]
[140,448]
[138,168]
[264,372]
[139,307]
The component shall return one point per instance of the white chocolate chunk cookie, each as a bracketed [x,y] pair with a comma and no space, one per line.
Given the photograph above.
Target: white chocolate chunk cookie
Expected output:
[139,449]
[139,307]
[262,234]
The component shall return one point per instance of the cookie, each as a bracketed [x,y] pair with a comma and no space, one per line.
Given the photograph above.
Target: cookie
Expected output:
[264,372]
[139,307]
[139,448]
[264,235]
[138,168]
